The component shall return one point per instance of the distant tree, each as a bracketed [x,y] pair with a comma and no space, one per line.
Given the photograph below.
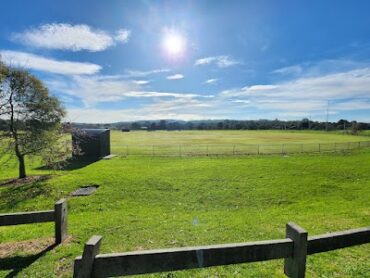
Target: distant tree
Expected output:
[162,125]
[305,123]
[355,128]
[32,117]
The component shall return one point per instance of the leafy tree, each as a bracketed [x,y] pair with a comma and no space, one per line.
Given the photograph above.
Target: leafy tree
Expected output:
[32,117]
[355,128]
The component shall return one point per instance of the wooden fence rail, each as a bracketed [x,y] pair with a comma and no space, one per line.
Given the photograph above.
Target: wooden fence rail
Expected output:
[58,215]
[294,248]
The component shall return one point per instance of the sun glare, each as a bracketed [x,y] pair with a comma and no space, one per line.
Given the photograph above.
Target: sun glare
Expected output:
[174,44]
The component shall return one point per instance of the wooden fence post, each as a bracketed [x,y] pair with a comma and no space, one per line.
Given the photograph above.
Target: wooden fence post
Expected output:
[91,249]
[295,266]
[60,218]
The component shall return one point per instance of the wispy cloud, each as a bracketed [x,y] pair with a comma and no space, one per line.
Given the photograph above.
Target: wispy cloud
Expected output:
[349,84]
[296,69]
[99,89]
[141,82]
[65,36]
[141,73]
[162,108]
[175,77]
[319,68]
[211,81]
[40,63]
[122,35]
[92,115]
[240,101]
[222,61]
[347,90]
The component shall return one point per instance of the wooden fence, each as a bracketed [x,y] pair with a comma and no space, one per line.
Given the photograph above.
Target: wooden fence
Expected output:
[294,249]
[58,215]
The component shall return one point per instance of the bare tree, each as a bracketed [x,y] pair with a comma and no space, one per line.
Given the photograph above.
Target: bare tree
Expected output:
[32,117]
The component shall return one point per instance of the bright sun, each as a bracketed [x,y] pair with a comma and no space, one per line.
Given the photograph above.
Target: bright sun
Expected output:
[174,44]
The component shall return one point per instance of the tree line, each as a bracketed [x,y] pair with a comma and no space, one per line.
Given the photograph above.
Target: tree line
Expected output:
[304,124]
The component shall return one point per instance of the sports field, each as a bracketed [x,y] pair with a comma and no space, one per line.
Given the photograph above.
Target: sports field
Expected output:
[162,202]
[230,142]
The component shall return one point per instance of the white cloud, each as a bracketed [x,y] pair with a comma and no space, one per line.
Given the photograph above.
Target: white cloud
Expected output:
[175,77]
[65,36]
[296,69]
[222,61]
[255,88]
[350,84]
[109,116]
[97,89]
[178,108]
[140,73]
[122,35]
[35,62]
[211,81]
[323,67]
[346,91]
[141,82]
[243,101]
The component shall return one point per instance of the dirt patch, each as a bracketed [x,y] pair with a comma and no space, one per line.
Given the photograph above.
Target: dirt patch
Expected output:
[28,247]
[24,181]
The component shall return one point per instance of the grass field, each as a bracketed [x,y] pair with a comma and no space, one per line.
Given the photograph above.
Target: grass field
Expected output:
[159,202]
[228,142]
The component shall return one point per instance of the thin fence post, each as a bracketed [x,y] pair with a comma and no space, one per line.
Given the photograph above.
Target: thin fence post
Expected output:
[258,149]
[152,150]
[319,147]
[335,147]
[301,148]
[207,149]
[295,266]
[234,150]
[282,148]
[85,267]
[60,218]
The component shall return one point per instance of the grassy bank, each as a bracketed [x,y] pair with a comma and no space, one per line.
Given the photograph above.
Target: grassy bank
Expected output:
[145,203]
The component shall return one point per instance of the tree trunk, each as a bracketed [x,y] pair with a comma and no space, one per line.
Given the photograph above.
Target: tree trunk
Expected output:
[22,167]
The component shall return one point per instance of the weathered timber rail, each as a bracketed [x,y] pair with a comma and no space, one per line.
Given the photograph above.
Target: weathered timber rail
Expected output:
[58,216]
[294,249]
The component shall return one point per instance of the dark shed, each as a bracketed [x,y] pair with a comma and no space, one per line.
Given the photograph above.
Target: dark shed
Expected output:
[91,143]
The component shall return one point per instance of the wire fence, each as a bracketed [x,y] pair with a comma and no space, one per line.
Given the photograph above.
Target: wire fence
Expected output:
[236,149]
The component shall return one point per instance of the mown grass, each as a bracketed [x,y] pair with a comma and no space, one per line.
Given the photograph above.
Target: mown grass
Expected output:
[195,142]
[154,202]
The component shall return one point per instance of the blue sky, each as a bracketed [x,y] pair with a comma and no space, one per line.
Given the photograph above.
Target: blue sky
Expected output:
[114,61]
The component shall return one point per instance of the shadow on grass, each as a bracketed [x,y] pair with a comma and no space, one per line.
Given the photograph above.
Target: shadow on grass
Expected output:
[18,263]
[11,196]
[70,164]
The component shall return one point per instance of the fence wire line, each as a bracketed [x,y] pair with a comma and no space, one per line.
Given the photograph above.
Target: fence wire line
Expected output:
[236,149]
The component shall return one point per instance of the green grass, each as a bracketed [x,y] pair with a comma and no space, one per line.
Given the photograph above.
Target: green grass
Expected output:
[156,202]
[187,142]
